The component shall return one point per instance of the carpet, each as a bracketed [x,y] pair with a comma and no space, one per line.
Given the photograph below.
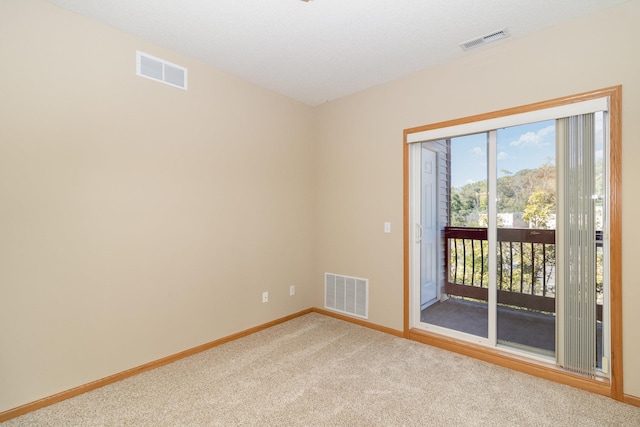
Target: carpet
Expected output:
[319,371]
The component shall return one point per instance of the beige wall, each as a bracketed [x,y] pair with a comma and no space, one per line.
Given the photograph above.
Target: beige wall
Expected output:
[359,149]
[137,220]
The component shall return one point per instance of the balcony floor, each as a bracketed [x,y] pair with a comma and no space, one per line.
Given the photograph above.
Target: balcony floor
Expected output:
[526,330]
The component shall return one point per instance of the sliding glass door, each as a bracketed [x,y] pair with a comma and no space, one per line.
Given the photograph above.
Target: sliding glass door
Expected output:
[516,214]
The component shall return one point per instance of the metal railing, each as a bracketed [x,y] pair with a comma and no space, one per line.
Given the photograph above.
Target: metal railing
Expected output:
[525,270]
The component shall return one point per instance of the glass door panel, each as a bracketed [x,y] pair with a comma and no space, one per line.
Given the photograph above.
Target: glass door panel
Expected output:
[600,168]
[526,216]
[461,303]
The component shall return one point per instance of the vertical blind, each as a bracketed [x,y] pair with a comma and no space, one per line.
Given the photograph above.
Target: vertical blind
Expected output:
[577,243]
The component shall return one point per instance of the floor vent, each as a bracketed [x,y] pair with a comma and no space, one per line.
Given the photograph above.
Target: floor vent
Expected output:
[346,294]
[160,70]
[488,38]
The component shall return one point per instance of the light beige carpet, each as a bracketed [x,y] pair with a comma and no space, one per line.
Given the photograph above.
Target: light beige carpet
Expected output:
[319,371]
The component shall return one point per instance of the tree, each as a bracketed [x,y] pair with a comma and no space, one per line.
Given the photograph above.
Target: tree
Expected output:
[513,193]
[540,206]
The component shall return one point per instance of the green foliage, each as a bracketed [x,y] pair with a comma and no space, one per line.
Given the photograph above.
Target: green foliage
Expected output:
[521,267]
[469,262]
[540,206]
[530,193]
[469,202]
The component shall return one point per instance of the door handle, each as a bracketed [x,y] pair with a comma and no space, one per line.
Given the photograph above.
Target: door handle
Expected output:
[420,233]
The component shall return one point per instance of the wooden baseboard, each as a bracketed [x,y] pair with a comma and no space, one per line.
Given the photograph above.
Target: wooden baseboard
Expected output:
[364,323]
[50,400]
[511,361]
[631,400]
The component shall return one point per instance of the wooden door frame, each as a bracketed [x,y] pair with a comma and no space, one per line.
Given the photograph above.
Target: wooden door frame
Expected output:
[613,386]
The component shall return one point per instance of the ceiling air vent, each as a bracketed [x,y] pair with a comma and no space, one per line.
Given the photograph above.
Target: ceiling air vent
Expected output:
[160,70]
[488,38]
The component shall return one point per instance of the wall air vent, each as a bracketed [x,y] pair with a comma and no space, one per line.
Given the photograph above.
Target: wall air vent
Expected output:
[488,38]
[160,70]
[349,295]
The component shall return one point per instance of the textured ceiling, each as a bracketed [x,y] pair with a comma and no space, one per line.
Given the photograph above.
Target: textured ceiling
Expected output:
[321,50]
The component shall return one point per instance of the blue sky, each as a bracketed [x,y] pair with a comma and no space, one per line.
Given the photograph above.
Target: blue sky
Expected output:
[520,147]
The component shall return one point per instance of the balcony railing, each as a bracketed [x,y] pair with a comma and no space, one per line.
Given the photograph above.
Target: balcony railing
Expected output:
[525,270]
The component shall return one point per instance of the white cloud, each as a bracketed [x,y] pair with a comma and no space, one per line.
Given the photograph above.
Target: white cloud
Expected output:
[533,138]
[477,151]
[502,155]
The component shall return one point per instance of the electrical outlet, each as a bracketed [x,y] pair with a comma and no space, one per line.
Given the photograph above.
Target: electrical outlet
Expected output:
[292,290]
[265,297]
